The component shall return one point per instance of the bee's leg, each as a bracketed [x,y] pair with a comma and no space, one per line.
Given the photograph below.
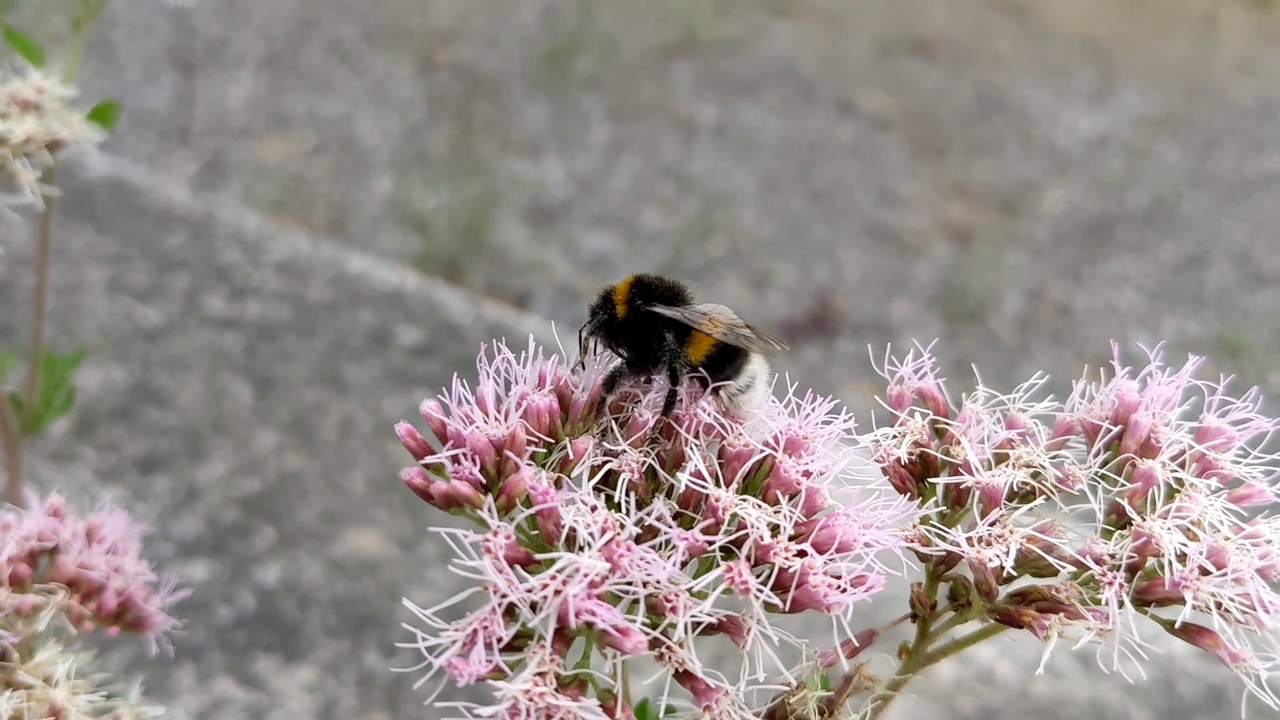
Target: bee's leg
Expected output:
[613,380]
[675,377]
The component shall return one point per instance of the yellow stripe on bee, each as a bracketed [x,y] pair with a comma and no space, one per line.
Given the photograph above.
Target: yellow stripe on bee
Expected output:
[698,346]
[622,296]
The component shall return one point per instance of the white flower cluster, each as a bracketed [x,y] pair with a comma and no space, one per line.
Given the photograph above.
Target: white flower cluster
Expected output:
[36,123]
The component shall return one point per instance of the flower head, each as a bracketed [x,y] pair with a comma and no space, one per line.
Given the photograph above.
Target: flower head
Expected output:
[639,535]
[1132,506]
[61,574]
[35,124]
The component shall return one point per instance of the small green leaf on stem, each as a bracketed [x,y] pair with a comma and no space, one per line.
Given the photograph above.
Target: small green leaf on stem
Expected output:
[55,395]
[105,114]
[25,45]
[645,710]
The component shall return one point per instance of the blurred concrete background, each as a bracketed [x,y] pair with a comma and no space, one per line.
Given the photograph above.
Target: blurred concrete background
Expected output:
[313,212]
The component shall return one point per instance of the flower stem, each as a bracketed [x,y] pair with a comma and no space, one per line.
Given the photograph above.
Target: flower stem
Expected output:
[964,642]
[44,242]
[11,445]
[12,436]
[914,657]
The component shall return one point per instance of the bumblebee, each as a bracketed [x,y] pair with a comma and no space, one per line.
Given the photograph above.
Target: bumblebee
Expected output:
[655,326]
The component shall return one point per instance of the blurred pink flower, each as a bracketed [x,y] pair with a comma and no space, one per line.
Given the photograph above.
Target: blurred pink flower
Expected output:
[95,564]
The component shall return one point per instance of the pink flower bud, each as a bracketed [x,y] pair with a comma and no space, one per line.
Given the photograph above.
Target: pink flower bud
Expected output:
[849,648]
[1215,435]
[417,480]
[582,408]
[935,401]
[579,449]
[1208,640]
[704,693]
[1021,618]
[1211,468]
[514,489]
[433,414]
[463,468]
[690,544]
[1064,428]
[1251,495]
[482,450]
[1137,432]
[831,533]
[1145,477]
[785,480]
[736,460]
[898,398]
[984,581]
[1160,591]
[734,627]
[455,494]
[413,441]
[1126,398]
[546,513]
[902,480]
[638,426]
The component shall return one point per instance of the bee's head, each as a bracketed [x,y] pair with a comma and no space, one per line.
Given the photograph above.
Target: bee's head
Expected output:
[601,314]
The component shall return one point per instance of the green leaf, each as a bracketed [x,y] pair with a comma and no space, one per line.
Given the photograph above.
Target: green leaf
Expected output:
[644,710]
[24,45]
[105,114]
[55,393]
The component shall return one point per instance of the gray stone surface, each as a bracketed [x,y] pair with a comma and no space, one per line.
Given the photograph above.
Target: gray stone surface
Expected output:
[1023,178]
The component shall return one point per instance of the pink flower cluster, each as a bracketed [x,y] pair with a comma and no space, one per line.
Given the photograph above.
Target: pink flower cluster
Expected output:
[89,570]
[612,534]
[1133,505]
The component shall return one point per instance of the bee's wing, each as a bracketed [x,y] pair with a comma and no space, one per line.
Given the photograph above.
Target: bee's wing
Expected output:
[722,324]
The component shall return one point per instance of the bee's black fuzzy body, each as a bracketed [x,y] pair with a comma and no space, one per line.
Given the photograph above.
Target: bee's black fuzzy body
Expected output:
[654,325]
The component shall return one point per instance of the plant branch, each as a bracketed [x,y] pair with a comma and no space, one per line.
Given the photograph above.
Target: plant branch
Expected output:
[964,642]
[44,243]
[913,660]
[11,421]
[11,445]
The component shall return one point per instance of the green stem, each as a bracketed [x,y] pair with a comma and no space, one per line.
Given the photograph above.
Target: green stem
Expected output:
[11,423]
[964,642]
[11,445]
[85,14]
[912,661]
[624,679]
[44,243]
[951,623]
[919,655]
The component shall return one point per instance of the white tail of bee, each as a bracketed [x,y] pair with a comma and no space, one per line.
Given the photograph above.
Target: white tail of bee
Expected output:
[749,389]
